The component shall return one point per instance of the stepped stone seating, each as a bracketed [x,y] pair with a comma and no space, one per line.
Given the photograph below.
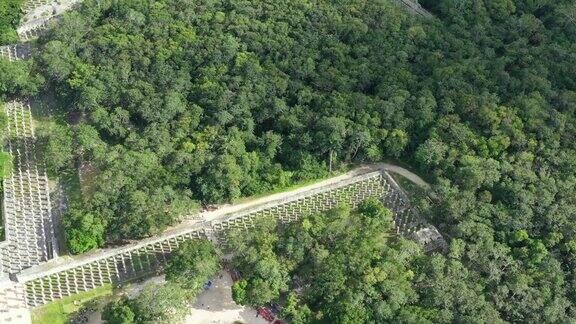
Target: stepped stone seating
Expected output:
[32,33]
[33,4]
[28,225]
[21,51]
[39,14]
[13,306]
[430,239]
[29,236]
[47,7]
[29,232]
[150,255]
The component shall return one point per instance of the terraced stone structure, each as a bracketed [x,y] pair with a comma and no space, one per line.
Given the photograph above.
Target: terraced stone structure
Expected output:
[53,280]
[16,51]
[27,211]
[38,14]
[26,207]
[30,5]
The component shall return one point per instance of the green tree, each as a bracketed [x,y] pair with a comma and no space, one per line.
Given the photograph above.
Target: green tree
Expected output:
[10,13]
[166,303]
[58,146]
[431,153]
[446,285]
[118,312]
[265,274]
[331,135]
[17,79]
[295,312]
[90,142]
[193,264]
[239,291]
[222,180]
[83,231]
[395,143]
[338,260]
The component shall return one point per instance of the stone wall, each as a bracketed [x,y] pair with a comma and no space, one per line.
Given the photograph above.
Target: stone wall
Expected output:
[118,265]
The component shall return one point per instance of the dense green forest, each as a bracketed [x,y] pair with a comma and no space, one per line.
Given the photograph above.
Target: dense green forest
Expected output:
[341,266]
[180,102]
[10,14]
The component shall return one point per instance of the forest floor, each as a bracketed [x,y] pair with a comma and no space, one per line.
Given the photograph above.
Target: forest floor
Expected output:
[213,306]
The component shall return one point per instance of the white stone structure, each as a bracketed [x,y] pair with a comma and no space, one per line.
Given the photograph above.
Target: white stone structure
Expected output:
[16,52]
[38,13]
[28,226]
[64,277]
[26,209]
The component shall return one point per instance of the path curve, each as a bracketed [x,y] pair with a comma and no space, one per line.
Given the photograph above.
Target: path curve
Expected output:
[413,177]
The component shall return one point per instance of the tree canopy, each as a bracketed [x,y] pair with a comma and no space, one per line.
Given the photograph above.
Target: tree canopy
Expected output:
[193,264]
[10,14]
[18,79]
[156,303]
[341,266]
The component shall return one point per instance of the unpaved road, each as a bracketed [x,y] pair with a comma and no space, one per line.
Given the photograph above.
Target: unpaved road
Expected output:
[217,306]
[213,306]
[406,174]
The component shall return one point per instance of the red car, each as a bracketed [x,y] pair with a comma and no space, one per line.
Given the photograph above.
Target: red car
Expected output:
[266,314]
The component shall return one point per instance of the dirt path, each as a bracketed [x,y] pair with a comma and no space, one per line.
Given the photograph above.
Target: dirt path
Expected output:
[413,177]
[217,306]
[213,306]
[225,210]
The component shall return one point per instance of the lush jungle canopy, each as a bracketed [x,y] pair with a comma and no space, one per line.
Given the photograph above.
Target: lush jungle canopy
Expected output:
[176,102]
[341,266]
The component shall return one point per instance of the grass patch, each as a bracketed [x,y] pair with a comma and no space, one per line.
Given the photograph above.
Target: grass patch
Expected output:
[6,164]
[59,312]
